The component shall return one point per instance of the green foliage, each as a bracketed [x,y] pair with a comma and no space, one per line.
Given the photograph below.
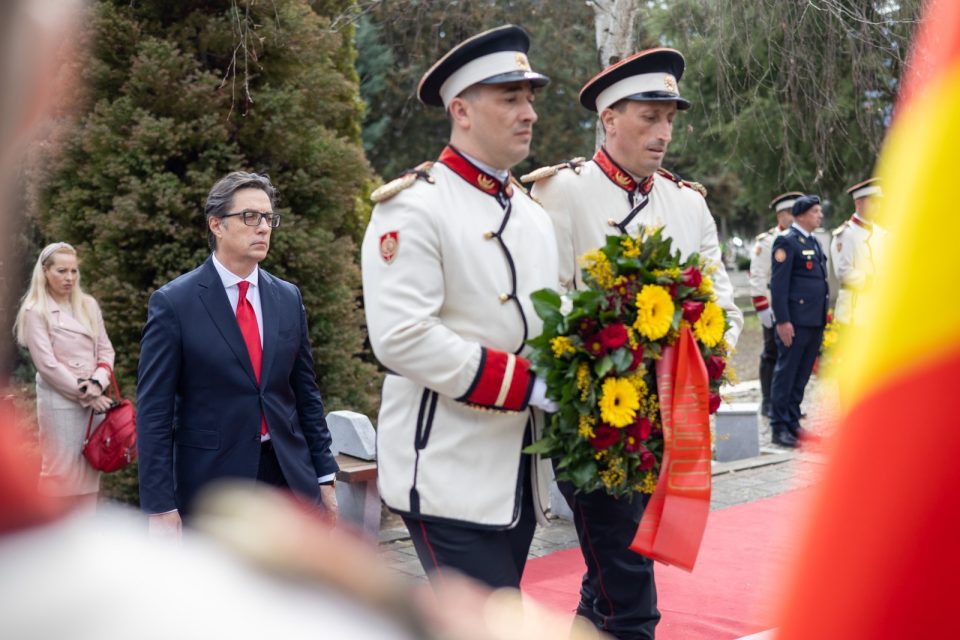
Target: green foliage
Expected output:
[178,96]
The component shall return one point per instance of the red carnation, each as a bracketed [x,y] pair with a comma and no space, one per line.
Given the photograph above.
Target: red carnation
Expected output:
[714,402]
[715,367]
[691,277]
[640,429]
[637,357]
[613,336]
[604,436]
[692,310]
[647,460]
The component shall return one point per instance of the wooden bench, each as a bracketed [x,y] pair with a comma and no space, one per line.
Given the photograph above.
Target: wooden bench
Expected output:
[357,494]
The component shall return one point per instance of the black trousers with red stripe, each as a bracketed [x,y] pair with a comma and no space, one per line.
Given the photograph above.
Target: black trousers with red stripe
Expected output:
[493,557]
[618,593]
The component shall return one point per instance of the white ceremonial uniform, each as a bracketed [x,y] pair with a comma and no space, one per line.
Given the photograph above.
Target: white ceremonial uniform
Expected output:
[855,247]
[589,201]
[761,267]
[449,264]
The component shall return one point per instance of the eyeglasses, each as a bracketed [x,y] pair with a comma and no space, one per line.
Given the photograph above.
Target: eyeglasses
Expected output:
[254,218]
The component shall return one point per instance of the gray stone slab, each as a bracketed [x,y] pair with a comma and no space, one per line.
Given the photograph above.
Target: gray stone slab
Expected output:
[737,431]
[352,434]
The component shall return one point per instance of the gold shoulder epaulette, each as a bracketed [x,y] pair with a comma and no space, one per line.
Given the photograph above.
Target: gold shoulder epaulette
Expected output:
[549,172]
[761,236]
[840,229]
[696,186]
[392,188]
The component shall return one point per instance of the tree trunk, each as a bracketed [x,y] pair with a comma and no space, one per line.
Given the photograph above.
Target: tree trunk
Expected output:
[616,28]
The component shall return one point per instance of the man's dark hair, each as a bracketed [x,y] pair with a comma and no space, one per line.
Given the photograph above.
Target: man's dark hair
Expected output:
[220,198]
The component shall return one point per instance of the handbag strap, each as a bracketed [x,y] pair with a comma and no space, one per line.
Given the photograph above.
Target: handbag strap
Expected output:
[113,379]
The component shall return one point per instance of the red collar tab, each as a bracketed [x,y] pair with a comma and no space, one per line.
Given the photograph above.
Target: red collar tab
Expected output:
[472,174]
[779,228]
[860,222]
[618,175]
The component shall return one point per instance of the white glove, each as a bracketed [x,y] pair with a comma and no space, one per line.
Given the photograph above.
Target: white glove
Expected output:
[539,399]
[766,317]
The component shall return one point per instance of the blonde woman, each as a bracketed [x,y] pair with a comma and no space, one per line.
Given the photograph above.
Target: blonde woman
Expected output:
[63,329]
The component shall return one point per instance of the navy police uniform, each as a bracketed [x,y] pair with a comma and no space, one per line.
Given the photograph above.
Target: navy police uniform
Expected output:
[798,286]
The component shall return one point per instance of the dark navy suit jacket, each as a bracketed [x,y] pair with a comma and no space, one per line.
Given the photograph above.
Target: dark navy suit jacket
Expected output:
[798,284]
[198,401]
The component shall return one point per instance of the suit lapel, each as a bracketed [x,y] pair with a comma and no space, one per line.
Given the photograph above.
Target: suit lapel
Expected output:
[270,308]
[215,301]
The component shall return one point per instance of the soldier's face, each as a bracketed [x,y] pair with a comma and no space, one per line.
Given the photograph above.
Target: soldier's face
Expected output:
[639,133]
[495,122]
[811,219]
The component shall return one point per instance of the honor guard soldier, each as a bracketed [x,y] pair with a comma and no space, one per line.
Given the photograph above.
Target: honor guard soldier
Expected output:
[623,189]
[450,257]
[854,249]
[800,296]
[760,267]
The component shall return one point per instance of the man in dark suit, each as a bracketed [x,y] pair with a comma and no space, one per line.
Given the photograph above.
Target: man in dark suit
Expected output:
[798,287]
[226,379]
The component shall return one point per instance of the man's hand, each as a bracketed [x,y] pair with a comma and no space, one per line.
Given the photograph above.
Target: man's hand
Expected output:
[785,331]
[766,317]
[328,498]
[165,526]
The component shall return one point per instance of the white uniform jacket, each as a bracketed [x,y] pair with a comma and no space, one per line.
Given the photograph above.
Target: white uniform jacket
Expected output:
[855,246]
[589,201]
[761,267]
[449,264]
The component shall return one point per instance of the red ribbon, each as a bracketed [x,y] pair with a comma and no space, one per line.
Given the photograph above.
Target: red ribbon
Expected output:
[673,522]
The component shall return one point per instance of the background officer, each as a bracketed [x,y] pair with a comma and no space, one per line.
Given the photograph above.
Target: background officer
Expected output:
[855,246]
[800,296]
[760,268]
[450,257]
[621,190]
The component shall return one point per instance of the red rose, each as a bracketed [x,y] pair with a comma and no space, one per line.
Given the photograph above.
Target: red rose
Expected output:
[690,277]
[692,310]
[637,357]
[715,367]
[714,402]
[647,460]
[604,436]
[613,336]
[594,346]
[640,429]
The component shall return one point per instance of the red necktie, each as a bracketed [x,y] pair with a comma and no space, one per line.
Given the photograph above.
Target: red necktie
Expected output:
[247,320]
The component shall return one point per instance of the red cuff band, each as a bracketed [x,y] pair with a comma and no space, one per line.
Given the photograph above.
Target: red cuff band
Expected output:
[502,382]
[760,303]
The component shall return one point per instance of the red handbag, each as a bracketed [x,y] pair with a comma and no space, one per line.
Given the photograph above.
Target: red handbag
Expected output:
[114,443]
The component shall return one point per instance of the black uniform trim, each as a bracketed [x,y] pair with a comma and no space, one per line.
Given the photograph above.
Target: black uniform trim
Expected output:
[476,378]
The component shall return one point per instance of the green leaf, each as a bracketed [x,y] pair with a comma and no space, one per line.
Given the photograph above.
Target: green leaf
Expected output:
[622,359]
[546,302]
[543,446]
[603,367]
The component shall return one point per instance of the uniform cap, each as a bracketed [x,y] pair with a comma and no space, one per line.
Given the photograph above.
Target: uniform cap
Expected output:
[651,75]
[785,201]
[804,204]
[497,56]
[866,188]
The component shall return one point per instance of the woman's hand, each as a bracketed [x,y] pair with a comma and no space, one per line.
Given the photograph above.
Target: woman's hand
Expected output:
[90,389]
[101,404]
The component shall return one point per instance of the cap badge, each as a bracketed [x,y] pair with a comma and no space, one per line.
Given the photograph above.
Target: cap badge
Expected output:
[485,183]
[522,62]
[389,242]
[670,83]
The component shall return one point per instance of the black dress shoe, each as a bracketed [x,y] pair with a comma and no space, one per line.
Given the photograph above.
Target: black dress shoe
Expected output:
[765,409]
[800,433]
[784,439]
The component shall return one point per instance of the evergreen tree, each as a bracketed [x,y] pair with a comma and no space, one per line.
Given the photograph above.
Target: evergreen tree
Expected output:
[179,94]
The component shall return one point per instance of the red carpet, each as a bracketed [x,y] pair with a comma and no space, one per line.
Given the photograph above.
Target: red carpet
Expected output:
[730,593]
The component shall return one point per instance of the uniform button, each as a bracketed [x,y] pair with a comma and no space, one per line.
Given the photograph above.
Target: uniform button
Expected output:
[488,235]
[504,297]
[611,222]
[801,300]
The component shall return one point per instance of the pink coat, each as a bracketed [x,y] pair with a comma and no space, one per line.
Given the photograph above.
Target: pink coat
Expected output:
[63,350]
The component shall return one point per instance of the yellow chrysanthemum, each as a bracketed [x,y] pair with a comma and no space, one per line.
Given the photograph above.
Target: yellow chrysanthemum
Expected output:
[654,312]
[585,427]
[614,475]
[631,249]
[583,380]
[561,346]
[673,273]
[709,328]
[649,483]
[598,266]
[618,402]
[636,379]
[706,286]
